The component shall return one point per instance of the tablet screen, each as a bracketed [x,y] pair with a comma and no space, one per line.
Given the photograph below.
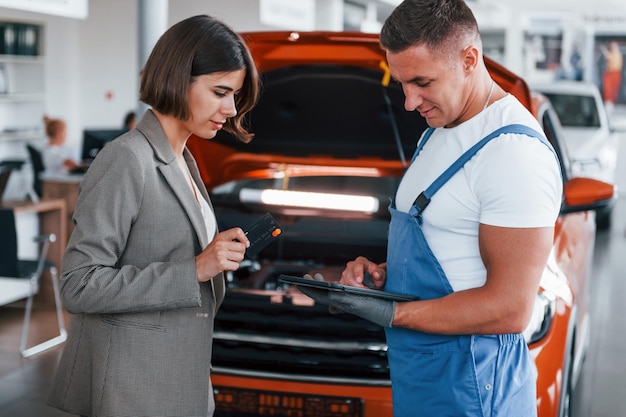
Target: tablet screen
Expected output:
[335,286]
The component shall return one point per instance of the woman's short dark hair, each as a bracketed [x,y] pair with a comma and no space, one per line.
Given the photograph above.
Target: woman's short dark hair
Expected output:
[438,24]
[197,46]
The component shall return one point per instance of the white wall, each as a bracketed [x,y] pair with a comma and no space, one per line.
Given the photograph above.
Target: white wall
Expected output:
[108,64]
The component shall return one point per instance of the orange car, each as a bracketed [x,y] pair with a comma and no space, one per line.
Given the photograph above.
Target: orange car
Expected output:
[330,126]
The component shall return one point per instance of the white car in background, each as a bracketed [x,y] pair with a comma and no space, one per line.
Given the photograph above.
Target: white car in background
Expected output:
[591,142]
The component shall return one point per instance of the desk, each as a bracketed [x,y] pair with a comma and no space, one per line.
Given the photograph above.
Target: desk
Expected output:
[13,289]
[64,187]
[52,219]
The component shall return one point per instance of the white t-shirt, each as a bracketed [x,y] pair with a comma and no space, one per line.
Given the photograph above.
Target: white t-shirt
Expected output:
[513,181]
[54,156]
[207,214]
[210,222]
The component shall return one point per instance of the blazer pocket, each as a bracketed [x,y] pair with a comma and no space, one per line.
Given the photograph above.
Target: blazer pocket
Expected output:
[131,324]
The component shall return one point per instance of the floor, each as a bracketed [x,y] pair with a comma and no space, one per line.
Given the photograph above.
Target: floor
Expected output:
[600,391]
[24,383]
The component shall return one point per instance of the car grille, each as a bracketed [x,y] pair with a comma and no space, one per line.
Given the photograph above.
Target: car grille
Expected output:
[265,333]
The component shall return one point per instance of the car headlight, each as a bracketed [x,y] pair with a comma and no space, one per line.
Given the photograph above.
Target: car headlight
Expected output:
[543,313]
[581,166]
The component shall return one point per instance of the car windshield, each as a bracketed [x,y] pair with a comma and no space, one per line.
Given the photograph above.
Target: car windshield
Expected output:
[575,110]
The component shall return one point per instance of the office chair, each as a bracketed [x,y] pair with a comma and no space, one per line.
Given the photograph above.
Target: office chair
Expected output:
[6,168]
[28,272]
[36,161]
[5,173]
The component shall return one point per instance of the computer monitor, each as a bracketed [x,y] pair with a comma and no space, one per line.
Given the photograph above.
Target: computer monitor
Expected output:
[95,139]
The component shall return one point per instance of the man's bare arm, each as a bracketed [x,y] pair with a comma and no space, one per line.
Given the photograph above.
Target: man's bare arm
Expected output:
[515,259]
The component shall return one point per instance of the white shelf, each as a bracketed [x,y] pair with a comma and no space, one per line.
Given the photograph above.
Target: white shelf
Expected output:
[22,59]
[22,95]
[25,135]
[16,97]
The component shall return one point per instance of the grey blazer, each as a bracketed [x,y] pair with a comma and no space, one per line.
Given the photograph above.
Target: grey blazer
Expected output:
[140,337]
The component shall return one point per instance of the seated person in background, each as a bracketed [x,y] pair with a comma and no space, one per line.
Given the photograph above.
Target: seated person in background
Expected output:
[57,158]
[130,120]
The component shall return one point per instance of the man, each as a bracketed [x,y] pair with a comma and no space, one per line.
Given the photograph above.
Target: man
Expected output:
[472,246]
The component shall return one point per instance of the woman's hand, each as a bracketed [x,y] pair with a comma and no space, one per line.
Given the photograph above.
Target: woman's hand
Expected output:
[224,253]
[356,270]
[70,164]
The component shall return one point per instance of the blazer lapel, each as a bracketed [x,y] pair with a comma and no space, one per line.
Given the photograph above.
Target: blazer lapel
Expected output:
[180,187]
[150,127]
[195,173]
[152,130]
[218,283]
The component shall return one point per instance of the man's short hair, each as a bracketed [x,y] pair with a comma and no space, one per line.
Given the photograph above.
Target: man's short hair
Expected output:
[441,25]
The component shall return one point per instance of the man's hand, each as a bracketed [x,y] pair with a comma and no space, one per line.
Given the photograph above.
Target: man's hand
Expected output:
[363,272]
[372,309]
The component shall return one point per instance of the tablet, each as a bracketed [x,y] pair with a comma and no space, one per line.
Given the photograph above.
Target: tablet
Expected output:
[335,286]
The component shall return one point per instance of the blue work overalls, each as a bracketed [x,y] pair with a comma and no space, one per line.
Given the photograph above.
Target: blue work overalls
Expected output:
[450,376]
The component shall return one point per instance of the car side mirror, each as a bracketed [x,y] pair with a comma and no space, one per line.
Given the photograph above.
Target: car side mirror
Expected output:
[582,194]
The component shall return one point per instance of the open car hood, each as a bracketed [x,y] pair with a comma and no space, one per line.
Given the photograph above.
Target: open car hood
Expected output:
[340,78]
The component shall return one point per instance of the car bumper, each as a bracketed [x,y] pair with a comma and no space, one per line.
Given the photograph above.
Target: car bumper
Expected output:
[236,395]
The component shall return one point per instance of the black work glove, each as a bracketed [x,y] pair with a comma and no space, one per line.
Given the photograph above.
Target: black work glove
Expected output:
[376,310]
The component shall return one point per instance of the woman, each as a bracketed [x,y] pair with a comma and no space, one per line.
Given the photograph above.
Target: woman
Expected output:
[143,272]
[57,157]
[613,73]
